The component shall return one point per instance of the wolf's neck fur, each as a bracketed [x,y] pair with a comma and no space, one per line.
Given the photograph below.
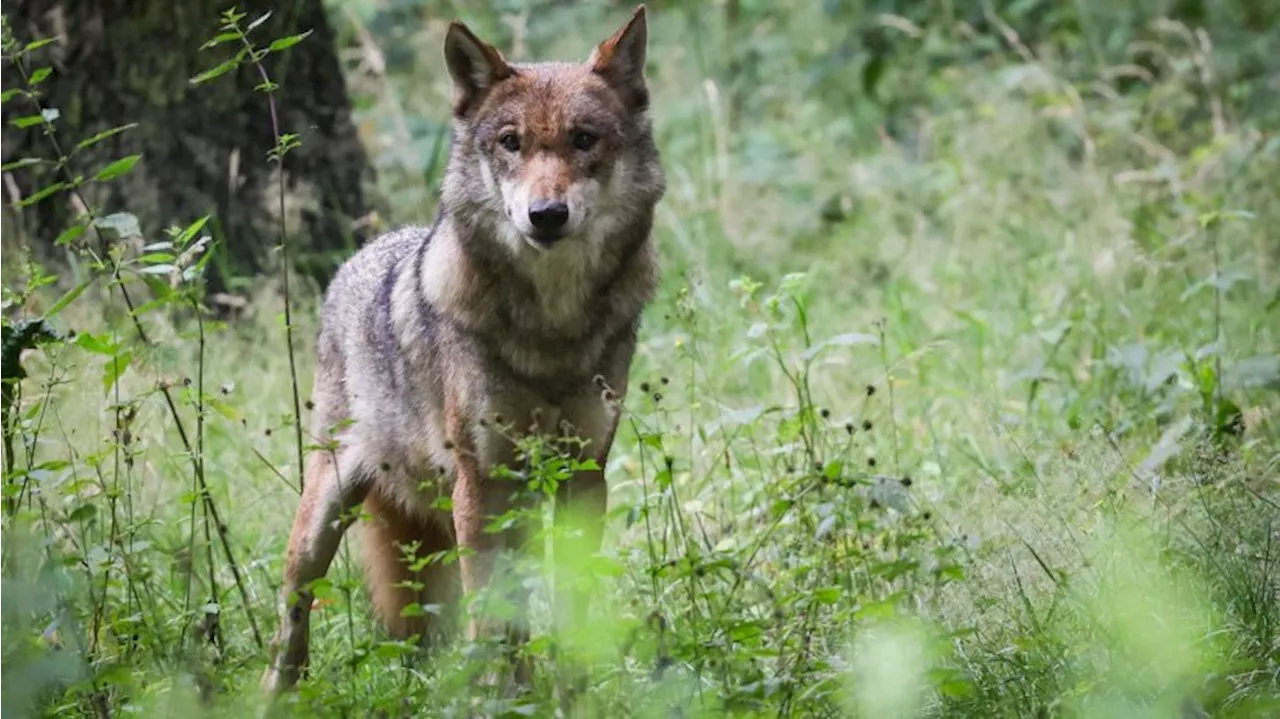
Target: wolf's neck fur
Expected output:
[469,274]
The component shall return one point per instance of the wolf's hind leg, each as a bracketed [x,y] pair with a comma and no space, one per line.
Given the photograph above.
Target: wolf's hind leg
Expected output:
[333,488]
[388,575]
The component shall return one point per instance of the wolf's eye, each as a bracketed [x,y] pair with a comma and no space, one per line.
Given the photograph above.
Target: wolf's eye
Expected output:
[584,140]
[510,142]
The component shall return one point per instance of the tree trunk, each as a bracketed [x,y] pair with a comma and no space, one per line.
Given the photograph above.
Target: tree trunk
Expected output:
[204,148]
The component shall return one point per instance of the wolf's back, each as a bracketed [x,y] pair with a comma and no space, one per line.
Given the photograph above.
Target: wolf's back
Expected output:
[356,349]
[355,290]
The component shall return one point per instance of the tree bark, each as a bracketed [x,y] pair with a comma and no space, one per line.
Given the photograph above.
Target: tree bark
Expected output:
[204,148]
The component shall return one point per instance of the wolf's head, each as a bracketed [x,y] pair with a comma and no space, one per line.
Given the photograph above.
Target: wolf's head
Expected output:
[552,158]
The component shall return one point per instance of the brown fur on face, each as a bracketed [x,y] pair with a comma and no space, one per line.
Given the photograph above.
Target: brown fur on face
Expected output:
[557,132]
[427,331]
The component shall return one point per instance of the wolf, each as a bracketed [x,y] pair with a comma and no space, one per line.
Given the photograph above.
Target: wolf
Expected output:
[515,312]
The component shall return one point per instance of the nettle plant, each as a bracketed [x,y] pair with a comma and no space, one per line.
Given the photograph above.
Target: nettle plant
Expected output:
[69,508]
[769,538]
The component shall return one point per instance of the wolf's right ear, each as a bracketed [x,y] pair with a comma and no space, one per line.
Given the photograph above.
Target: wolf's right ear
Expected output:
[474,65]
[620,60]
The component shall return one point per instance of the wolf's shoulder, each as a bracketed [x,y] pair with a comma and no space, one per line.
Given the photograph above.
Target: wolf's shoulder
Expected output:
[357,286]
[373,260]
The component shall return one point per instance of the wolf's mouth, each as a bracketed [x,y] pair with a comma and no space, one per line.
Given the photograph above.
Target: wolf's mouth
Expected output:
[544,241]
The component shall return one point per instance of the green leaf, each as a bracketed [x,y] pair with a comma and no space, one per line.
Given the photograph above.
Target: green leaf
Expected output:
[67,298]
[69,235]
[39,76]
[287,42]
[219,39]
[9,94]
[391,650]
[224,409]
[160,269]
[827,595]
[114,368]
[36,44]
[217,71]
[100,344]
[322,588]
[117,168]
[90,141]
[27,121]
[121,224]
[191,231]
[43,193]
[745,630]
[18,164]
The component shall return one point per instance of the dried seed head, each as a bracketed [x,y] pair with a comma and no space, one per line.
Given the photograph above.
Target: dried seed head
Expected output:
[866,425]
[657,396]
[848,427]
[644,387]
[385,467]
[871,461]
[906,481]
[927,516]
[871,389]
[267,431]
[826,413]
[448,445]
[497,418]
[666,381]
[311,405]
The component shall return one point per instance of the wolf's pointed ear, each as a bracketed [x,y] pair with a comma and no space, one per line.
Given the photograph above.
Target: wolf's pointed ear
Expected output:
[474,65]
[620,60]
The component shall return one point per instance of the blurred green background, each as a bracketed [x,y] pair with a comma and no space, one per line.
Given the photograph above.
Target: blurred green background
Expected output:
[958,398]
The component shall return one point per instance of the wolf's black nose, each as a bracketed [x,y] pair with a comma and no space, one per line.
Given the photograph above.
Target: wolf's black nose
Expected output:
[548,215]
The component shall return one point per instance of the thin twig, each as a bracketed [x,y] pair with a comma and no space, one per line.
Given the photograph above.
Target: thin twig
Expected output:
[280,150]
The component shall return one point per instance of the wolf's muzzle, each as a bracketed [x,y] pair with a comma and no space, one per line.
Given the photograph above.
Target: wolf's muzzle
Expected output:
[548,218]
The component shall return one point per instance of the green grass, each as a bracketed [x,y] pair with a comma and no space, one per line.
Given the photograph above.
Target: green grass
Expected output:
[961,403]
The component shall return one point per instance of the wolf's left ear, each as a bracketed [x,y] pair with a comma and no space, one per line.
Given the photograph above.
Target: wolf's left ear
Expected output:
[620,61]
[474,65]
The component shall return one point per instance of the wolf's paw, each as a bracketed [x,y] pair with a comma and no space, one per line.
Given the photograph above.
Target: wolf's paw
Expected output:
[281,675]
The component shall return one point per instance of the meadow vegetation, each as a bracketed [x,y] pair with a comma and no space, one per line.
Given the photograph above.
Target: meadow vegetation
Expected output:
[958,399]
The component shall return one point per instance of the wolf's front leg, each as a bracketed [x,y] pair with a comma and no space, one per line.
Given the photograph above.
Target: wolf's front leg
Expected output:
[487,563]
[497,596]
[581,505]
[333,489]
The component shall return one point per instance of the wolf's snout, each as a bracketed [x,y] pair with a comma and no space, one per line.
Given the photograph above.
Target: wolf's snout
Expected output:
[548,216]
